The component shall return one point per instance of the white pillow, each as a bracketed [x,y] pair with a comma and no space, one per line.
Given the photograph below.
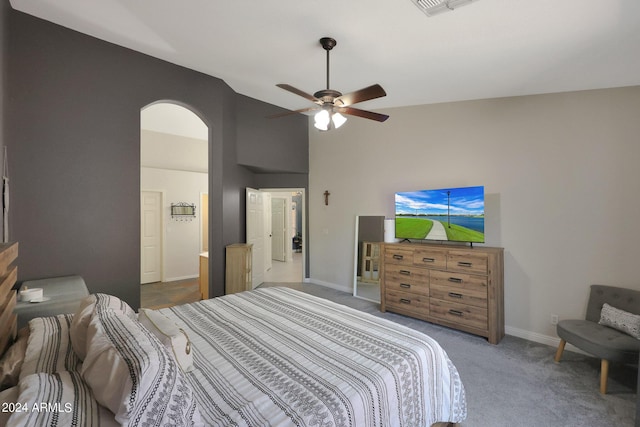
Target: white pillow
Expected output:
[8,396]
[62,399]
[621,320]
[175,339]
[132,373]
[49,348]
[82,317]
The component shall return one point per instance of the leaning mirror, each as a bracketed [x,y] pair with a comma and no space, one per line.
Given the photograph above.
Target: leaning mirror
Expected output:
[366,265]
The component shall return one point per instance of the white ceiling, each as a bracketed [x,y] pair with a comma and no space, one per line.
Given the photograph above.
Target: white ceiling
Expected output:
[490,48]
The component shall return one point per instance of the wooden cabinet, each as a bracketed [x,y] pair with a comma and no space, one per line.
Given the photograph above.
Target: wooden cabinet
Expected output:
[461,288]
[238,268]
[8,296]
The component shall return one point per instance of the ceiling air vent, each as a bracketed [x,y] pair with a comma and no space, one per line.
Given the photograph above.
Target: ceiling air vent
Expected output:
[435,7]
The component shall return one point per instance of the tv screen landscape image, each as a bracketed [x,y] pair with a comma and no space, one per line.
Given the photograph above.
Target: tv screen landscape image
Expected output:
[448,214]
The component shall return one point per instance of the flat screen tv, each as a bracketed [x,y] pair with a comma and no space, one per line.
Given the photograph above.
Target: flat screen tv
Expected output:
[447,214]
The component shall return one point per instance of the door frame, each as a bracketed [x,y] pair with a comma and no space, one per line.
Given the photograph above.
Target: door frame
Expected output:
[257,252]
[303,212]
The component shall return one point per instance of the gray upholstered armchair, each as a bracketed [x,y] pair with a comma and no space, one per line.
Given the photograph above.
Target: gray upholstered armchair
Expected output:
[606,343]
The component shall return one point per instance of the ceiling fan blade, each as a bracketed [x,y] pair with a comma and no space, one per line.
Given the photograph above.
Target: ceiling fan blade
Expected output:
[287,113]
[362,113]
[299,93]
[371,92]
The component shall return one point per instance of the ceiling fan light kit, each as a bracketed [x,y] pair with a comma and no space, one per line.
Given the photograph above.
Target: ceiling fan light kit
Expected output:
[332,105]
[436,7]
[326,121]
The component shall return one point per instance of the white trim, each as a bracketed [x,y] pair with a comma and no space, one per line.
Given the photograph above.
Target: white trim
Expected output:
[540,338]
[532,336]
[174,279]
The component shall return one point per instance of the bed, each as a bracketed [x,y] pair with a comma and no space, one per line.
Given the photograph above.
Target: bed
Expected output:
[272,356]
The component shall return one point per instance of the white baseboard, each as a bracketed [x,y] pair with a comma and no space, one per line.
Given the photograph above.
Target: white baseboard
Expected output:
[539,338]
[532,336]
[330,285]
[175,279]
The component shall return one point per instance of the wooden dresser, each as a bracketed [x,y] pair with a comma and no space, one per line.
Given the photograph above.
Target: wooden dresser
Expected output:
[458,287]
[238,268]
[8,277]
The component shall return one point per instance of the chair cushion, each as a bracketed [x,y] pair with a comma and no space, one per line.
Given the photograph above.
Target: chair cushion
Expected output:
[601,341]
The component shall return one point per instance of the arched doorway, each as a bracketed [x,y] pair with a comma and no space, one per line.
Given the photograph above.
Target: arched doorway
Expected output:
[174,191]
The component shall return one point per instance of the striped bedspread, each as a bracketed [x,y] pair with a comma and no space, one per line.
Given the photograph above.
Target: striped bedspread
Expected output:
[279,357]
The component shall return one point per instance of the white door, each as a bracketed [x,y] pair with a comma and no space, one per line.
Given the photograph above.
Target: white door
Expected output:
[278,229]
[255,234]
[150,236]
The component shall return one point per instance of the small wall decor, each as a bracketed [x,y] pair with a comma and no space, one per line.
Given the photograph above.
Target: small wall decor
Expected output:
[326,197]
[183,211]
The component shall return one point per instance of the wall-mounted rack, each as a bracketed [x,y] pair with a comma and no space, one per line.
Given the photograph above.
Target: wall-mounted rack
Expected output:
[183,211]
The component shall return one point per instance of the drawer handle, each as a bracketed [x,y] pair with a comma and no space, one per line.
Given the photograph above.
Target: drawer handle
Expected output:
[405,272]
[395,256]
[455,280]
[456,313]
[464,264]
[405,301]
[455,295]
[428,259]
[405,285]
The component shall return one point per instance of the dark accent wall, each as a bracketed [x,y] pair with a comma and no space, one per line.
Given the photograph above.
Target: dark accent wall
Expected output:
[283,149]
[72,121]
[4,18]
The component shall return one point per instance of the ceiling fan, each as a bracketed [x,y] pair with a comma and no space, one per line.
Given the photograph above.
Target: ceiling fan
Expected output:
[333,104]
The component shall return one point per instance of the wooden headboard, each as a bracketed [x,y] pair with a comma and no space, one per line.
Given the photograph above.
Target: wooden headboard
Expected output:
[8,277]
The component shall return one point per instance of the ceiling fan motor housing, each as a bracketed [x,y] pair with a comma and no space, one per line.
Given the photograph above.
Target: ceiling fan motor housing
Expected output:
[327,95]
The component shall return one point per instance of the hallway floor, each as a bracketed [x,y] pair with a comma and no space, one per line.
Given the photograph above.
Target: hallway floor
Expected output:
[165,294]
[285,272]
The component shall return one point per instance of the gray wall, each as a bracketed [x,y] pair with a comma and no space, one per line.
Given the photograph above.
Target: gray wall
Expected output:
[561,184]
[73,124]
[4,16]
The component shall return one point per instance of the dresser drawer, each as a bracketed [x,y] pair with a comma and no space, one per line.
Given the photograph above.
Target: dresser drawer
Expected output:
[409,285]
[404,301]
[395,255]
[467,262]
[462,314]
[430,258]
[475,297]
[405,274]
[459,282]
